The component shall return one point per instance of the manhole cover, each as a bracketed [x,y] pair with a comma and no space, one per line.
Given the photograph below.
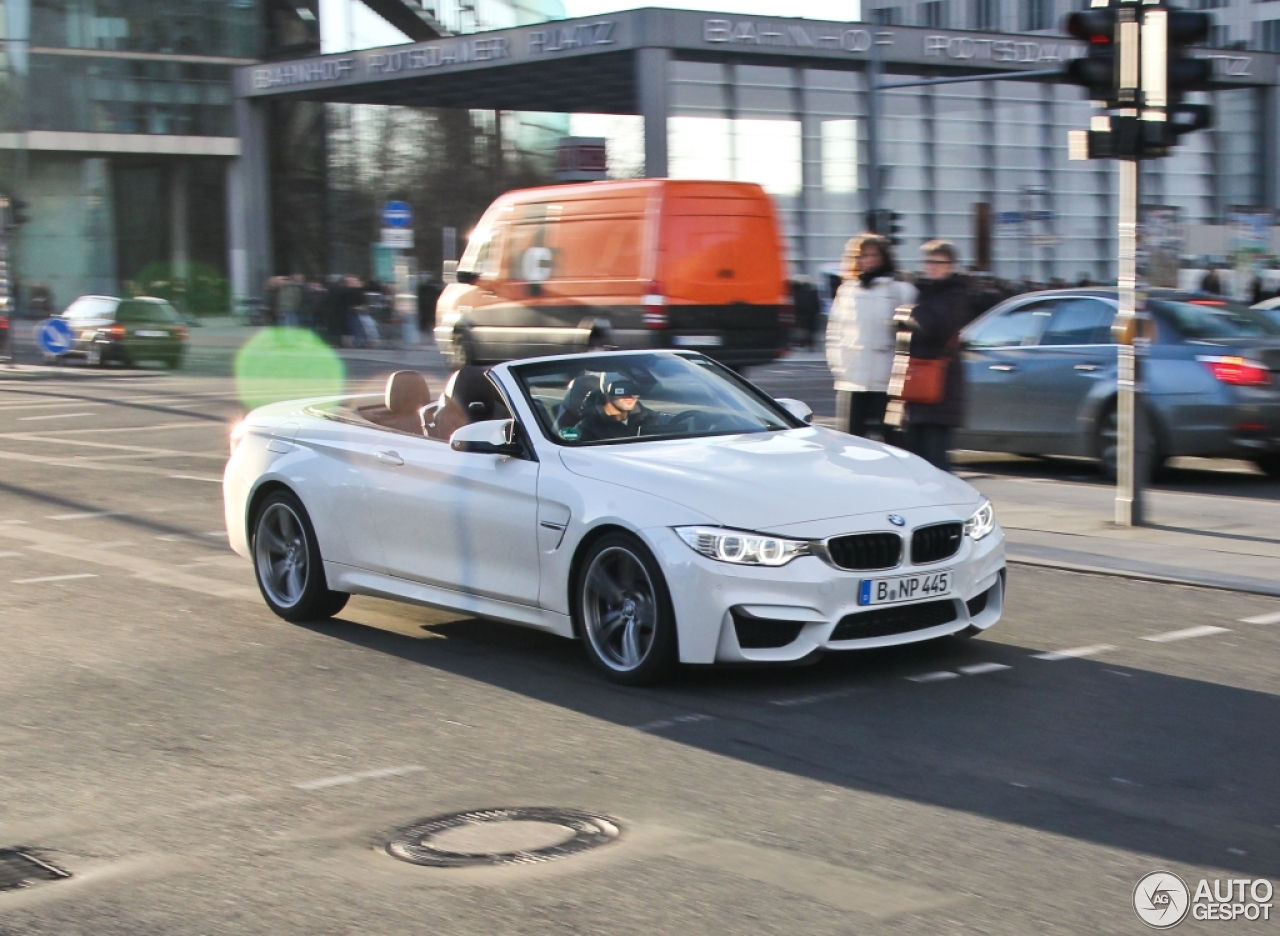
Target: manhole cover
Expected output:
[19,868]
[521,835]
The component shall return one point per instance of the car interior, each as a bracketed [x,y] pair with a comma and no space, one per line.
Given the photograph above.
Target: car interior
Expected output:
[407,405]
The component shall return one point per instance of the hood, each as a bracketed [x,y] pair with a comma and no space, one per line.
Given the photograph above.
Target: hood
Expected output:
[764,481]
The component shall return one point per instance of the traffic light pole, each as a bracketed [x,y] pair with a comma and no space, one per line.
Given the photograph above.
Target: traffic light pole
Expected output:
[1128,474]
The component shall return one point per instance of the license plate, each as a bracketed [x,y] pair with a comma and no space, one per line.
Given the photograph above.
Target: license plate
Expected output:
[151,333]
[697,341]
[905,588]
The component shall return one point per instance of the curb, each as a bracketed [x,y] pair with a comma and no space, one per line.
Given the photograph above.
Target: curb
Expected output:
[1242,585]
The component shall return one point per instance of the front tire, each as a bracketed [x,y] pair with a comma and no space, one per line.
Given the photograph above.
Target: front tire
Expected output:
[622,611]
[287,562]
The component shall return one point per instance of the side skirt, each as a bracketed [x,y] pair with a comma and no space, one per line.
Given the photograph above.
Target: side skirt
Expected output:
[375,584]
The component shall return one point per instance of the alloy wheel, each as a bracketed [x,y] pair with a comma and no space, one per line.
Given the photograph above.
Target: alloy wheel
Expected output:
[281,554]
[1109,442]
[620,608]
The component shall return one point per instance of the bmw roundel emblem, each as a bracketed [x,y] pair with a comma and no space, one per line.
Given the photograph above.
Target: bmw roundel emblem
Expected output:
[897,520]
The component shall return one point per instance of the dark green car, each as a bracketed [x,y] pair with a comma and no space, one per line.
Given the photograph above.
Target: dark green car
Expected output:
[126,330]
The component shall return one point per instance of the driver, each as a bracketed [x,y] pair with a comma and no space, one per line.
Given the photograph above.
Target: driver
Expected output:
[617,414]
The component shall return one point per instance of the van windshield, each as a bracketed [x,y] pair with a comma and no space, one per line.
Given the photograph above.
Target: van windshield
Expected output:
[620,398]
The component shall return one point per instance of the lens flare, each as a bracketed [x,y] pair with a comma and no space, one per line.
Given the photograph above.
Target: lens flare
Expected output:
[284,364]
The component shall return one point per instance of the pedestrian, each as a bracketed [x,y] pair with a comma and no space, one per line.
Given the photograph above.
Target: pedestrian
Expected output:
[860,337]
[945,306]
[1212,282]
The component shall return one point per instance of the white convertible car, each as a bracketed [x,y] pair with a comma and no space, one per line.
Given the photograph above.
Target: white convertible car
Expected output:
[653,504]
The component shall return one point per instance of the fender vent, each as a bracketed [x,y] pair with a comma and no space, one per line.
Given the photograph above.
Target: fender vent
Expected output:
[20,868]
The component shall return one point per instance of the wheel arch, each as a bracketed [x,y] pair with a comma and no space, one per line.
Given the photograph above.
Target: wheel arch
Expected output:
[260,494]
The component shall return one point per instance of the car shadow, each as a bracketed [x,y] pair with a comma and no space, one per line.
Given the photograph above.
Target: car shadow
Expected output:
[1177,769]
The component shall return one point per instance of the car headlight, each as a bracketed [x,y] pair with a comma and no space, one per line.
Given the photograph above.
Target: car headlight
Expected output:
[741,548]
[982,522]
[238,432]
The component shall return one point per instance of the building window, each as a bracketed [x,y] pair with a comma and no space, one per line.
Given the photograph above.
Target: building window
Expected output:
[1268,35]
[1219,37]
[986,15]
[887,16]
[933,14]
[1036,15]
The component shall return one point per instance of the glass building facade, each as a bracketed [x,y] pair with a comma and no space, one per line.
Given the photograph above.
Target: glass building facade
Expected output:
[117,127]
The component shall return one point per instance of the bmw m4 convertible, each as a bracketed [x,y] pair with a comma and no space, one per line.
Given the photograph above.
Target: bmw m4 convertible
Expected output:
[654,505]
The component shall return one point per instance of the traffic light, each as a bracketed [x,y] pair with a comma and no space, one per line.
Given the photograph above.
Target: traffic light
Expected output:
[1185,73]
[1097,70]
[886,223]
[13,211]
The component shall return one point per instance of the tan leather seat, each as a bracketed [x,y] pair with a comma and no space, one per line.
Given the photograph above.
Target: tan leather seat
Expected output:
[406,394]
[468,397]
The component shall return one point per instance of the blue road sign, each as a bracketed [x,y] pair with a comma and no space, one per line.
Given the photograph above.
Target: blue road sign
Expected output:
[397,214]
[55,336]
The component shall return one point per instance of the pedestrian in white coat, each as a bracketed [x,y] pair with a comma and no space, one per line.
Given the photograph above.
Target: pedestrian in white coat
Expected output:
[860,332]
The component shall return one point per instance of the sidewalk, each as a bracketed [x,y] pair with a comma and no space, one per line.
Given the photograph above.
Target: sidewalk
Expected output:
[1214,540]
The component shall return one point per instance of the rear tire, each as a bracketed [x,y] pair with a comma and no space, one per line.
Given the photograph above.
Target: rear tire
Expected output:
[1270,464]
[287,561]
[461,352]
[1151,458]
[622,611]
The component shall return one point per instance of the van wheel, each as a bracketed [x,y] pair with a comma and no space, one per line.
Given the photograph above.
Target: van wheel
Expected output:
[461,352]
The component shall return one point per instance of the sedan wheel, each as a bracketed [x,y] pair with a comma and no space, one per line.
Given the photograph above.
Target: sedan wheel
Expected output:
[1108,444]
[287,561]
[623,612]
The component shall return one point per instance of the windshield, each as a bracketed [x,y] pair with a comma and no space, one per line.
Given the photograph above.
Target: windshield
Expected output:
[1219,320]
[619,398]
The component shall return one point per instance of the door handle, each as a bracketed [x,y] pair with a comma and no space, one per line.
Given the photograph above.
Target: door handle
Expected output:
[1006,368]
[388,457]
[1088,367]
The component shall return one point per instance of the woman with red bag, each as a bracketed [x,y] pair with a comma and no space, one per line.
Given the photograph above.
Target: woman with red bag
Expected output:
[944,307]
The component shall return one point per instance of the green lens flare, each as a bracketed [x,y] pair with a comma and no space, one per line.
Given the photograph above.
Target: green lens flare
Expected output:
[285,364]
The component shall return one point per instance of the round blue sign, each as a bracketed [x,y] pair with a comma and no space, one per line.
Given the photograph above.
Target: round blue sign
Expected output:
[55,336]
[397,214]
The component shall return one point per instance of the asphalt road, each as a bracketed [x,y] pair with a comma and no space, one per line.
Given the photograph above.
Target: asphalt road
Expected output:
[203,767]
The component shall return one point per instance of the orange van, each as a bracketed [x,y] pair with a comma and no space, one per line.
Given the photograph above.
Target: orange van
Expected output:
[650,263]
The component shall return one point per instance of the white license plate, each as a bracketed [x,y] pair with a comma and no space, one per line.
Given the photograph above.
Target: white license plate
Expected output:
[905,588]
[151,333]
[697,341]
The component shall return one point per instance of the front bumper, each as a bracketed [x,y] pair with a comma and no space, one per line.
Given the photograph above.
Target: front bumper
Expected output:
[724,613]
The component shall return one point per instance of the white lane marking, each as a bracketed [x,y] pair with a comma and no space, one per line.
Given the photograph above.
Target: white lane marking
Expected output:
[10,555]
[344,779]
[978,669]
[672,721]
[933,677]
[1126,782]
[1073,652]
[16,522]
[196,478]
[1203,631]
[1237,851]
[1262,619]
[215,533]
[54,578]
[816,697]
[55,416]
[87,515]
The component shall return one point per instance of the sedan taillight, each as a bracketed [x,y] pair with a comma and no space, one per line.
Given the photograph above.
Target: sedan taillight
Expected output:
[115,331]
[1238,371]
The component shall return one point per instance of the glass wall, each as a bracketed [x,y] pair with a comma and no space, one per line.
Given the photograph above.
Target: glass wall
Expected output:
[187,27]
[112,95]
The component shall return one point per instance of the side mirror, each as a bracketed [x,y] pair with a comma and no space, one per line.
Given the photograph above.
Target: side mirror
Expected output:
[797,408]
[491,437]
[466,276]
[449,272]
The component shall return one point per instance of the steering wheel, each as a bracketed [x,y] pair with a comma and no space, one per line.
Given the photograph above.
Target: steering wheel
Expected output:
[692,416]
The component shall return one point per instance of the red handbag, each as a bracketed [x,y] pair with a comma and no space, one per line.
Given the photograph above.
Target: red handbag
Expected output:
[925,380]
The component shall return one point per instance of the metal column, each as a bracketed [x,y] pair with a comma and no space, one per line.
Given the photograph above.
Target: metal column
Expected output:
[249,203]
[179,238]
[810,171]
[1128,463]
[654,94]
